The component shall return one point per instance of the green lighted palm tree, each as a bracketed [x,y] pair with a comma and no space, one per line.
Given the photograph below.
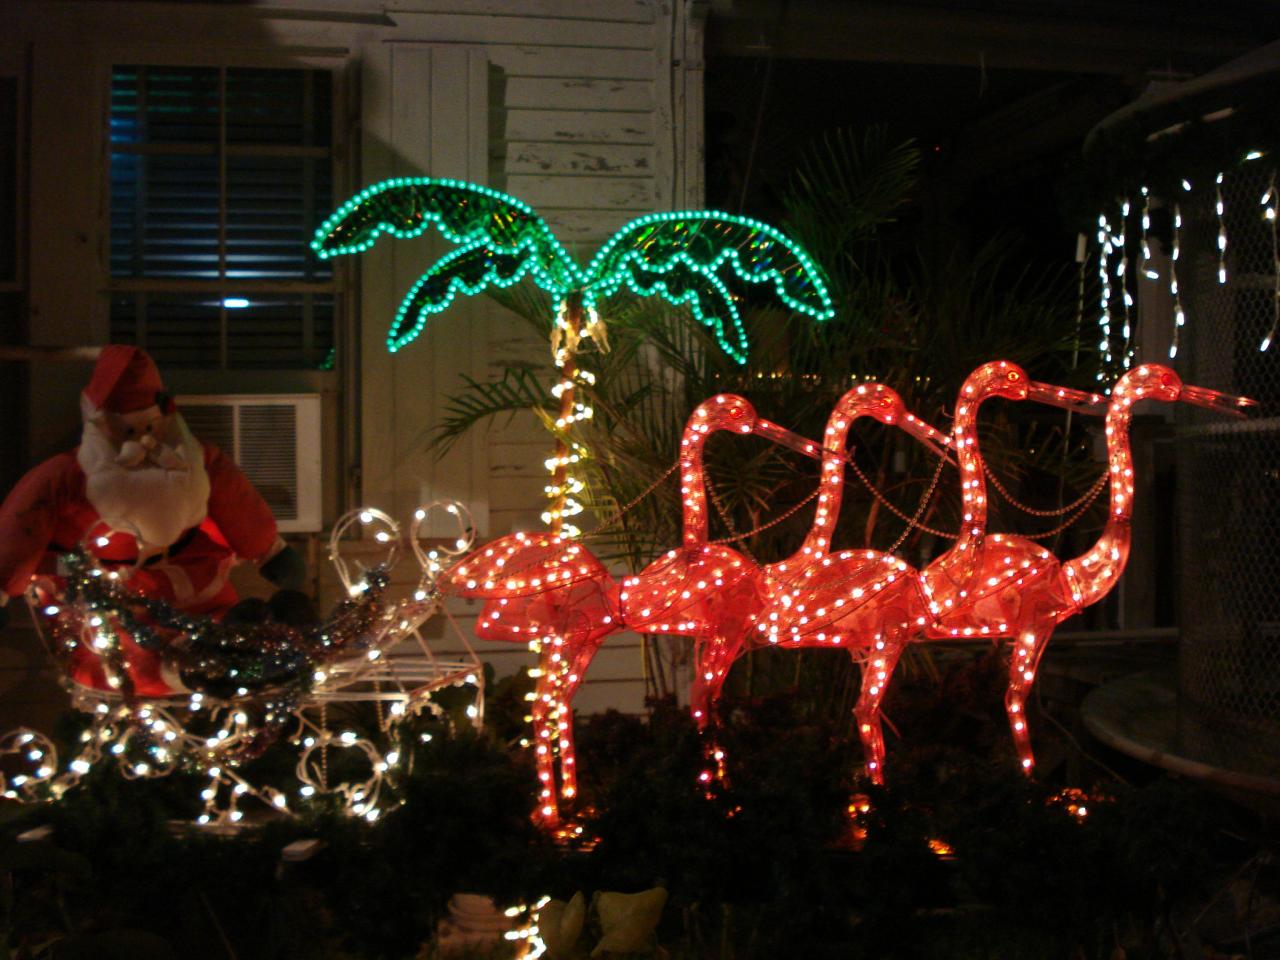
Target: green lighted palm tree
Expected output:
[699,258]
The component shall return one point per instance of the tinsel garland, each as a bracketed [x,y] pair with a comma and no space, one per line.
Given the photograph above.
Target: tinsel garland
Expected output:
[221,660]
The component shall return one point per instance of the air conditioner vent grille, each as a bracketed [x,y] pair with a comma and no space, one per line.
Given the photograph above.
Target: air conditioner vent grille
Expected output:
[213,424]
[276,442]
[268,446]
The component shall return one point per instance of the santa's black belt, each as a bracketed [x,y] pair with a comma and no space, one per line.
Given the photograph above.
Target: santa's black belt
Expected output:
[170,551]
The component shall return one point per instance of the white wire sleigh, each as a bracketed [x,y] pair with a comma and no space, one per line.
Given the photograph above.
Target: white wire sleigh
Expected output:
[371,650]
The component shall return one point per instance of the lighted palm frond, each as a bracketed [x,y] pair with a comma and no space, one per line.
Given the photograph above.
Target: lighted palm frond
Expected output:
[468,270]
[703,258]
[463,212]
[501,239]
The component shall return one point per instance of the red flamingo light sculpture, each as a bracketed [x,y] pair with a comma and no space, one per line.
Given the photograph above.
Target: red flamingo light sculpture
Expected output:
[863,600]
[1005,586]
[703,590]
[552,593]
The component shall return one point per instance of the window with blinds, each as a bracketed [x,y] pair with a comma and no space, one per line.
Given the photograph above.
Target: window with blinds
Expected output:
[219,177]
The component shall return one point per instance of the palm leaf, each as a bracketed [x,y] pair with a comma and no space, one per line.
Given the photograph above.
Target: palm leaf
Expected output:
[703,258]
[848,184]
[519,389]
[711,303]
[468,270]
[464,213]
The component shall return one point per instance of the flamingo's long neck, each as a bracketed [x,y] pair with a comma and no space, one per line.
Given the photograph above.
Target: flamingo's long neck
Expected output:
[817,543]
[725,412]
[1092,575]
[973,483]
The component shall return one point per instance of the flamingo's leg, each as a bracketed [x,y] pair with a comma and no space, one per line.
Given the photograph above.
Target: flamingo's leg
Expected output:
[1028,647]
[877,668]
[717,658]
[712,661]
[579,655]
[719,670]
[545,697]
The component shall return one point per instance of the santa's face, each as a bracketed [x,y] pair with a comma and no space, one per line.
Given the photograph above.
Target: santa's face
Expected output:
[151,422]
[144,474]
[142,434]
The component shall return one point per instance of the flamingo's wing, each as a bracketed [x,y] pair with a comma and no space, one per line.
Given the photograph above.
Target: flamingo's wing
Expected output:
[1007,573]
[690,591]
[523,565]
[705,258]
[582,612]
[825,602]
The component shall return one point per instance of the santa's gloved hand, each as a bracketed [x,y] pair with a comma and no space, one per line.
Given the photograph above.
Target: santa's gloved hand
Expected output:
[287,570]
[293,608]
[249,611]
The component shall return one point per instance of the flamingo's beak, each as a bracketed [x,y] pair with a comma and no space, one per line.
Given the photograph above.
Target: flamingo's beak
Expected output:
[1232,406]
[935,440]
[1076,400]
[787,438]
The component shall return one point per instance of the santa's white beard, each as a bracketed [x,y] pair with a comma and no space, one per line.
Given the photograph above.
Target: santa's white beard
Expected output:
[152,503]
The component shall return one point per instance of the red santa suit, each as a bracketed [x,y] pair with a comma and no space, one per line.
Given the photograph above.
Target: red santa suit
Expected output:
[178,509]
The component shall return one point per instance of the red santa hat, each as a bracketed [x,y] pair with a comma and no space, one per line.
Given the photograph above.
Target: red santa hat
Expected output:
[125,380]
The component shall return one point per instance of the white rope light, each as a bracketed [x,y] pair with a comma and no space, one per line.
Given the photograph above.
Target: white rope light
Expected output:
[1179,316]
[1269,213]
[1104,287]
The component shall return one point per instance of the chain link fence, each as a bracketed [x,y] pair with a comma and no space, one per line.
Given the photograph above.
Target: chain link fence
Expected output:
[1229,483]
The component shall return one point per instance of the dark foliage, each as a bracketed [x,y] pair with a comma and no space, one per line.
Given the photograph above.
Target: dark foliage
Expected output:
[766,863]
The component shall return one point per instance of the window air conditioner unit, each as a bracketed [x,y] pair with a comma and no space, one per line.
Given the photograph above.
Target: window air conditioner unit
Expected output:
[275,439]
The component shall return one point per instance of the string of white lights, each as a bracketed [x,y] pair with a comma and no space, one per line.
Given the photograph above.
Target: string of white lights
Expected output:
[1104,294]
[1147,270]
[1220,207]
[1179,316]
[1269,205]
[1122,277]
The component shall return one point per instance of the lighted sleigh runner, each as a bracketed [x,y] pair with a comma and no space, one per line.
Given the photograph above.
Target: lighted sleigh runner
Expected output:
[163,691]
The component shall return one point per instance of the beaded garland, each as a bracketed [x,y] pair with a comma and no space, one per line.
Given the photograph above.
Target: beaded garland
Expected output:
[216,659]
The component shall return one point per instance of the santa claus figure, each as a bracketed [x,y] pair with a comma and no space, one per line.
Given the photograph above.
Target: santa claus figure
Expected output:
[141,491]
